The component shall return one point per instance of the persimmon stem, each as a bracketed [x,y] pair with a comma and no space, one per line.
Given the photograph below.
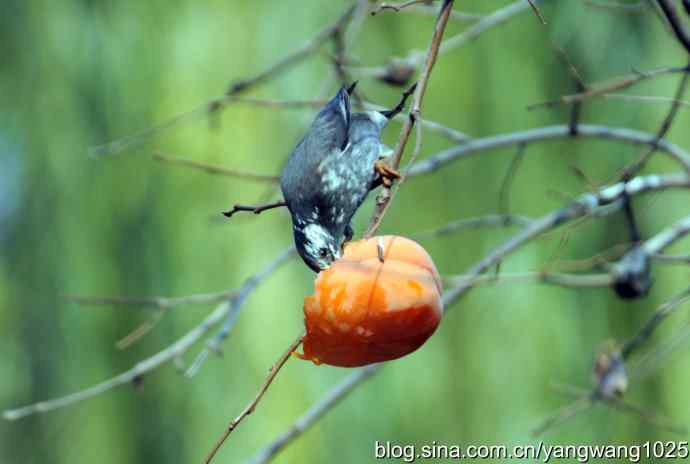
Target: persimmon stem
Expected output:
[252,405]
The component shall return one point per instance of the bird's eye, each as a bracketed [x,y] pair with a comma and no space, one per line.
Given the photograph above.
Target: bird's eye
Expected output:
[323,252]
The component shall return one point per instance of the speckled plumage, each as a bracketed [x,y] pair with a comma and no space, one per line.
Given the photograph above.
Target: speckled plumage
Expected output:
[328,177]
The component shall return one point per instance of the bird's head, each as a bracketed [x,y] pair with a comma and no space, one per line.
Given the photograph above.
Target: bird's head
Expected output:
[318,246]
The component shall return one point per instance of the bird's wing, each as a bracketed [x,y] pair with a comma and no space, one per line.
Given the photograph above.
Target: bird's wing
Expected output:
[328,132]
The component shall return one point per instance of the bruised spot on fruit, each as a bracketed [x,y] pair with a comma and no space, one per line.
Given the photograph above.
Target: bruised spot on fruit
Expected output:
[365,311]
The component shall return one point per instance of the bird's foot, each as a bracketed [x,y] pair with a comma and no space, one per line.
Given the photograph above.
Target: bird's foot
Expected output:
[388,174]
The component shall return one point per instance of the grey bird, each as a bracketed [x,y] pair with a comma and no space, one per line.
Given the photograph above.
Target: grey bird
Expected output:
[330,173]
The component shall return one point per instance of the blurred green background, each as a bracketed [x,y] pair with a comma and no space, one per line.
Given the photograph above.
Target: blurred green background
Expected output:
[77,73]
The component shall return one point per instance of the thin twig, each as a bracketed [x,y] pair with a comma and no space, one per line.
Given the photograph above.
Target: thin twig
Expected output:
[650,417]
[609,86]
[652,360]
[645,98]
[140,332]
[214,169]
[432,10]
[396,7]
[681,259]
[415,58]
[415,111]
[679,29]
[628,8]
[506,185]
[256,209]
[651,325]
[536,11]
[490,220]
[252,405]
[212,106]
[489,21]
[637,166]
[553,278]
[316,412]
[295,57]
[445,131]
[155,302]
[567,412]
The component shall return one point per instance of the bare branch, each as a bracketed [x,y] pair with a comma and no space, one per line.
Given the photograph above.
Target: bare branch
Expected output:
[426,8]
[611,378]
[490,21]
[609,86]
[651,325]
[679,29]
[552,278]
[213,105]
[682,259]
[214,343]
[140,332]
[470,147]
[213,169]
[636,167]
[397,7]
[445,131]
[581,404]
[619,7]
[384,199]
[506,185]
[650,417]
[147,365]
[667,237]
[257,209]
[645,98]
[295,57]
[582,206]
[316,412]
[155,302]
[415,58]
[490,220]
[252,405]
[536,11]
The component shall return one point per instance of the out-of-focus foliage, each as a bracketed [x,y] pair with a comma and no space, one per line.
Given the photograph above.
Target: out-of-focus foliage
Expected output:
[78,73]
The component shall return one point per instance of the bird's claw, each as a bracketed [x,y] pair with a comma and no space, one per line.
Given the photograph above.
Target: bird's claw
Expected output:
[388,174]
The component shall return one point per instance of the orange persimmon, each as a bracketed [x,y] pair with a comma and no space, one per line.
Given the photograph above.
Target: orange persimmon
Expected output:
[366,310]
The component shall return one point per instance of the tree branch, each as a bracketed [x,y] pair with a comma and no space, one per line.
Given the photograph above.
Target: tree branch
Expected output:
[252,405]
[582,206]
[257,209]
[490,220]
[213,169]
[295,57]
[470,147]
[415,111]
[170,353]
[601,88]
[316,412]
[679,29]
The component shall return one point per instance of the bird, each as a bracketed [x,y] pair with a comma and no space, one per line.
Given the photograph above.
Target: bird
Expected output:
[330,172]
